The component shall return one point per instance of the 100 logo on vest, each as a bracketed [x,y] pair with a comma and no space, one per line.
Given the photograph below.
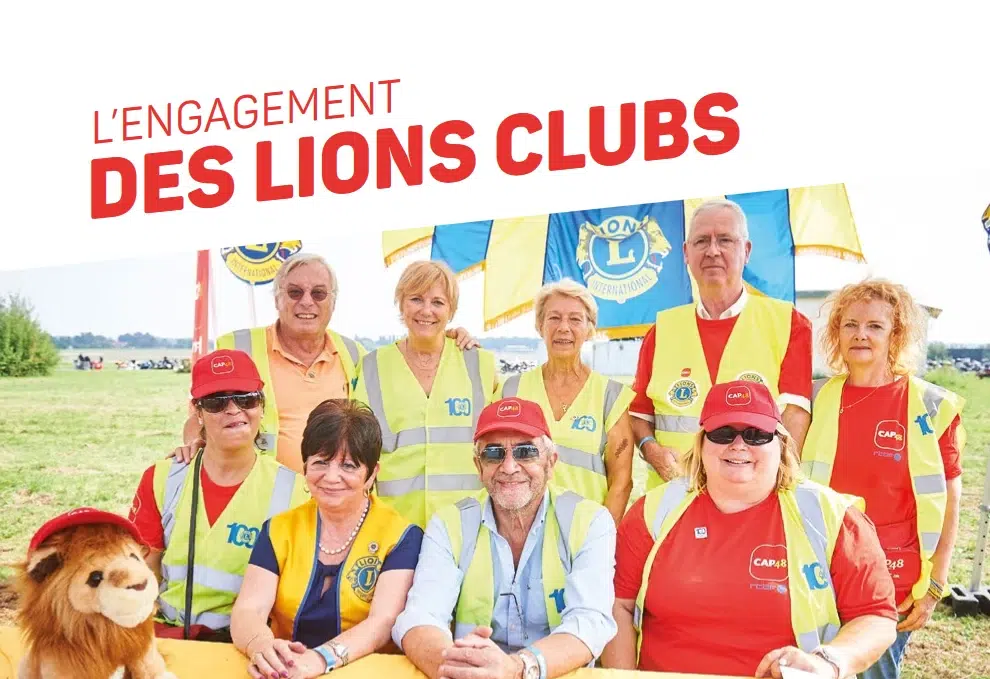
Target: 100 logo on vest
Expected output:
[557,596]
[458,406]
[923,422]
[815,576]
[241,535]
[584,423]
[363,576]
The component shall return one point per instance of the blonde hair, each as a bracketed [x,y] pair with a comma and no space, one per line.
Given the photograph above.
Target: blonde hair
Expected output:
[421,276]
[565,288]
[298,260]
[907,324]
[692,466]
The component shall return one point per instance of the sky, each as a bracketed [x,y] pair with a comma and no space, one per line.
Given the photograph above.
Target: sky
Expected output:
[924,232]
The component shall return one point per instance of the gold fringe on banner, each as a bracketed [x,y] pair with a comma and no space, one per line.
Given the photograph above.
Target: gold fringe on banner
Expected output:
[394,256]
[625,331]
[510,315]
[830,251]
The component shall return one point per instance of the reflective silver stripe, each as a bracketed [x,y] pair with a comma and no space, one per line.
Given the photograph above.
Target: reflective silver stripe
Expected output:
[470,525]
[931,483]
[563,508]
[929,541]
[462,629]
[472,361]
[173,489]
[369,370]
[932,398]
[813,468]
[438,482]
[451,434]
[351,347]
[672,497]
[242,341]
[285,481]
[813,519]
[678,424]
[205,577]
[612,391]
[511,386]
[816,386]
[267,441]
[579,458]
[809,641]
[214,621]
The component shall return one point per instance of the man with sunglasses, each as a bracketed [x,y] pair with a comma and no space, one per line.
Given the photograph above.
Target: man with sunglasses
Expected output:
[521,568]
[728,335]
[237,488]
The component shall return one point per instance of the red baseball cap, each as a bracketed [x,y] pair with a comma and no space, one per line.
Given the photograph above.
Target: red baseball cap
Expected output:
[79,517]
[512,414]
[225,370]
[740,402]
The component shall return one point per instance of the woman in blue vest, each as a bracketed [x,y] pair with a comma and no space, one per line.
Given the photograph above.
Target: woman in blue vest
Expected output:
[332,574]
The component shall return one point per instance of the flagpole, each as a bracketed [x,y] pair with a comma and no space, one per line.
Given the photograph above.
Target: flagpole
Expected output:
[254,320]
[213,306]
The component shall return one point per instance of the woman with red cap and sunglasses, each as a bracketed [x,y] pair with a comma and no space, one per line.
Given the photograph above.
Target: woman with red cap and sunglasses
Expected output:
[210,518]
[740,567]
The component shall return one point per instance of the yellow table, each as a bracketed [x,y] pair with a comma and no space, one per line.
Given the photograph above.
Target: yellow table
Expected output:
[195,659]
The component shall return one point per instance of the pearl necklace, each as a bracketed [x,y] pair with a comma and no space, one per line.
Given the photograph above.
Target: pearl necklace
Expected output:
[332,552]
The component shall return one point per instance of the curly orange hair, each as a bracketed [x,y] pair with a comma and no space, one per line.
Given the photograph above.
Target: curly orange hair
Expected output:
[907,324]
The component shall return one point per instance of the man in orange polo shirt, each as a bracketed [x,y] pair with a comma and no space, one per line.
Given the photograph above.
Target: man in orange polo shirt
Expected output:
[301,360]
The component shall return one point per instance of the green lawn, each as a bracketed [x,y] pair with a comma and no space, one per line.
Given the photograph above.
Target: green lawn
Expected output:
[83,438]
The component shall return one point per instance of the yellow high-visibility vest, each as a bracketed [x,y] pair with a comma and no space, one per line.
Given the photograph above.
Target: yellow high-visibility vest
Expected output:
[680,380]
[223,549]
[581,435]
[931,409]
[427,442]
[254,341]
[812,514]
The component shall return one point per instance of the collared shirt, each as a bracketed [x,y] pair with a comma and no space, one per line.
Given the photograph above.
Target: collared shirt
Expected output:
[520,616]
[299,389]
[731,312]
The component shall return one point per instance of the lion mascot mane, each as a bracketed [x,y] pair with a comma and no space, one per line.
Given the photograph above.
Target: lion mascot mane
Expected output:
[87,598]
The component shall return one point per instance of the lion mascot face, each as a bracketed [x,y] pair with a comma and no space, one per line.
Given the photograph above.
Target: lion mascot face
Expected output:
[87,598]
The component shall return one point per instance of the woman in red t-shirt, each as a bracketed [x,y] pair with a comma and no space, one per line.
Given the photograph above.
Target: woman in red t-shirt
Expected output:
[725,569]
[883,434]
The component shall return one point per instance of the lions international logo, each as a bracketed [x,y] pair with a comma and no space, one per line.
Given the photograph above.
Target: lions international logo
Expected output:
[363,576]
[258,263]
[751,376]
[682,393]
[621,257]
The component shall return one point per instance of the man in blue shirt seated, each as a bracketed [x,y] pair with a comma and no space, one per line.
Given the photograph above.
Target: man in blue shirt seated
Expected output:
[522,569]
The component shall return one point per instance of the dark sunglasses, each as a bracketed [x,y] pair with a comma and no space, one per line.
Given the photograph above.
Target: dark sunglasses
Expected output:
[751,436]
[218,404]
[296,294]
[521,452]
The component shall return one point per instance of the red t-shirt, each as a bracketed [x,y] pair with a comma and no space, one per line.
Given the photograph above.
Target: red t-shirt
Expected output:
[795,370]
[871,462]
[144,511]
[717,599]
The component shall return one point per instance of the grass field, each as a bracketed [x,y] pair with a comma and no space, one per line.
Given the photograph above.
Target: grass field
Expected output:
[83,438]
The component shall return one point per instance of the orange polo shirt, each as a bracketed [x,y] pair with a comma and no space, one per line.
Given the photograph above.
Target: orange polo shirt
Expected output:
[298,390]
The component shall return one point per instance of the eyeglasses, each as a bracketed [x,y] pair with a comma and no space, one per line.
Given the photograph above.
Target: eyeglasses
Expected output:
[318,294]
[508,621]
[751,436]
[218,404]
[494,453]
[722,242]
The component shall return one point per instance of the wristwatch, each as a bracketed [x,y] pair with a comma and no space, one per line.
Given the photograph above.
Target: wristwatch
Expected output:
[340,650]
[826,654]
[531,668]
[327,656]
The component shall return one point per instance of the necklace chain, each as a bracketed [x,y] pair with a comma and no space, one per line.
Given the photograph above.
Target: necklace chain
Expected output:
[332,552]
[843,408]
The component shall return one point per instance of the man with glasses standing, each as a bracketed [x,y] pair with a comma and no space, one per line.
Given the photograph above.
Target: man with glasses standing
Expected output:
[521,570]
[730,334]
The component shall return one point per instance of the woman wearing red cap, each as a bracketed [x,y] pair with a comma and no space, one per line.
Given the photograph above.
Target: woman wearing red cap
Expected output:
[879,432]
[737,567]
[212,516]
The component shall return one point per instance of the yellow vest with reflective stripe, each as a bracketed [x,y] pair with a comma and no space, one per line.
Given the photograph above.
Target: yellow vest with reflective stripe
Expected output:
[580,436]
[294,536]
[427,442]
[755,350]
[569,518]
[812,514]
[254,341]
[222,550]
[931,409]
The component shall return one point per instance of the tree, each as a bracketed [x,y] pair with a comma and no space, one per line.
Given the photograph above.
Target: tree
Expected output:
[937,351]
[25,349]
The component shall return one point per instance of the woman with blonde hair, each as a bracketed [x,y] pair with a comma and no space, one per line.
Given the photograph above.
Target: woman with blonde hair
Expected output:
[588,413]
[427,395]
[882,433]
[738,567]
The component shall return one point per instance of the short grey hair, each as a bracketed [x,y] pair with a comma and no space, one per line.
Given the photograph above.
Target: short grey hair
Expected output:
[715,204]
[566,288]
[298,260]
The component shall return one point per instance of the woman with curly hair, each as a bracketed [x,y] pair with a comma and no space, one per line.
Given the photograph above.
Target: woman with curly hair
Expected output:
[883,434]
